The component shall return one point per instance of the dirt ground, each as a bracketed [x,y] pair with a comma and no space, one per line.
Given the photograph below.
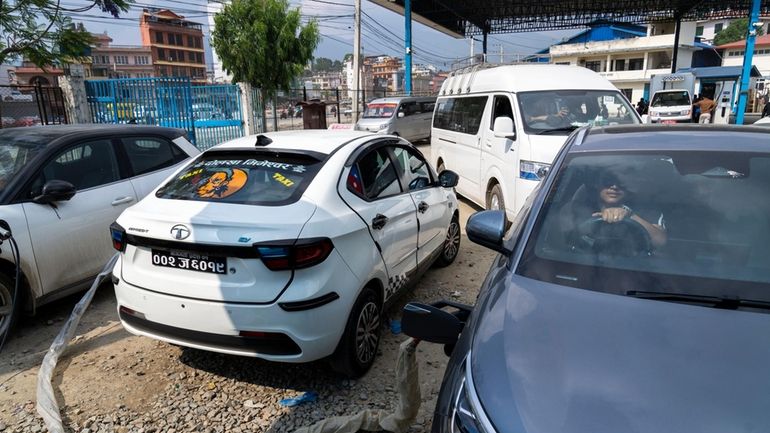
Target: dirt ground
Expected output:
[106,369]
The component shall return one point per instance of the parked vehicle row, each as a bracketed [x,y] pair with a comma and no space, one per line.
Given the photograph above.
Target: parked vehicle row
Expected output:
[407,117]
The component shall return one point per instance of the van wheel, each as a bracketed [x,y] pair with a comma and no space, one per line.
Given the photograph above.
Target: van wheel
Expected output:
[451,246]
[495,199]
[358,348]
[9,308]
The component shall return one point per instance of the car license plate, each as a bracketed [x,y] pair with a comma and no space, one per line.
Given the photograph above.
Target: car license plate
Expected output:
[189,261]
[669,122]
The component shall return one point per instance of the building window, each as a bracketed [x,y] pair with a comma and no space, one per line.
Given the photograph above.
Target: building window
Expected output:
[635,64]
[158,37]
[699,31]
[190,41]
[197,42]
[161,54]
[594,65]
[620,65]
[179,40]
[718,28]
[199,58]
[190,57]
[121,60]
[628,93]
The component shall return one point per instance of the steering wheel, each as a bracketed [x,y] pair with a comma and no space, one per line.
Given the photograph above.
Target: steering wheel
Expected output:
[626,238]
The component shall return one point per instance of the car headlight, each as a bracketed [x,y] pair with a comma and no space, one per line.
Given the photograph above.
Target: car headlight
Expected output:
[384,126]
[467,415]
[653,113]
[685,112]
[531,170]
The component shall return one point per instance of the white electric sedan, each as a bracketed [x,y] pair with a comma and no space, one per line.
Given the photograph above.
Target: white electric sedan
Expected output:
[284,246]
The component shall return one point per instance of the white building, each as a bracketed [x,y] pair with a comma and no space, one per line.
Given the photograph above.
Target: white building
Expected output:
[707,30]
[630,62]
[732,54]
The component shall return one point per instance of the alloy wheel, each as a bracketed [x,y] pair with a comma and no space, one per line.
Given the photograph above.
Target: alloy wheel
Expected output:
[452,244]
[367,335]
[6,307]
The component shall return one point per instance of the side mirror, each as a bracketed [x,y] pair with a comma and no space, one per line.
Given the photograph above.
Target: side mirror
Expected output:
[487,229]
[55,190]
[401,114]
[503,128]
[431,324]
[448,179]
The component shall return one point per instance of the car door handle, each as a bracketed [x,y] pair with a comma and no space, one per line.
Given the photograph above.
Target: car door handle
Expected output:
[379,221]
[422,207]
[122,200]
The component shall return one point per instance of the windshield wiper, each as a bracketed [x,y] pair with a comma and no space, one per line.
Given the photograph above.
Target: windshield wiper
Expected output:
[721,302]
[562,129]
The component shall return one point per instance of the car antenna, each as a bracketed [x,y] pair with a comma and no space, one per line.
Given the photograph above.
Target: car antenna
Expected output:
[263,140]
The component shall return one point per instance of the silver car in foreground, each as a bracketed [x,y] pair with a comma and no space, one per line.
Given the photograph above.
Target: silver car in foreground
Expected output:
[631,293]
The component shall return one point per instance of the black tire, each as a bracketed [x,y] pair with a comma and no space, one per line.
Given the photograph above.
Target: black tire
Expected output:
[495,200]
[9,308]
[358,347]
[451,246]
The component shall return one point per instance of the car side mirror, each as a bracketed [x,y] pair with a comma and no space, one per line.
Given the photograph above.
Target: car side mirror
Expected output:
[487,229]
[448,179]
[503,128]
[429,323]
[55,190]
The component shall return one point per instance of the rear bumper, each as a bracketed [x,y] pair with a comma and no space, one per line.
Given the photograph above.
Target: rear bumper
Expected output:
[311,332]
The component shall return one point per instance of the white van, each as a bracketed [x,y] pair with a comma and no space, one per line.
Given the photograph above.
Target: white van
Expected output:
[671,106]
[500,128]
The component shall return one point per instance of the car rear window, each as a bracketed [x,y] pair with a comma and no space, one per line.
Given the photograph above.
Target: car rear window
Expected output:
[257,178]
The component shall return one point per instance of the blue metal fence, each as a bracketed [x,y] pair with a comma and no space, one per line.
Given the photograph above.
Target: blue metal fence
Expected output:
[209,114]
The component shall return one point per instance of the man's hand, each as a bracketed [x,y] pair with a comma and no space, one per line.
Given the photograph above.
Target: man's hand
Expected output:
[613,214]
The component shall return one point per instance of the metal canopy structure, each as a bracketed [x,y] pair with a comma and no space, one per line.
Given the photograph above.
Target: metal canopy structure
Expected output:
[463,18]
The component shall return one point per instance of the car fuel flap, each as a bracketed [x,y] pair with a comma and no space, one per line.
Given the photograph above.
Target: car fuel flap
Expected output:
[193,271]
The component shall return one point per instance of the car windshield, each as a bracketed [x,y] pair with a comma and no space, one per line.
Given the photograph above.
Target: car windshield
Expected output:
[711,207]
[15,153]
[258,178]
[379,110]
[560,111]
[670,99]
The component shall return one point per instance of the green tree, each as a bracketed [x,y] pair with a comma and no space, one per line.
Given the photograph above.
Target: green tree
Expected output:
[263,43]
[41,32]
[736,31]
[322,64]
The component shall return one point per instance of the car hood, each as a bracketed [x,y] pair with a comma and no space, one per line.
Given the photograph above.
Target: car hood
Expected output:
[548,359]
[545,147]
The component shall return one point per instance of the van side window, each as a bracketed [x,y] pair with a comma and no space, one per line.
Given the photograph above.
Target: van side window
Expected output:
[460,114]
[501,107]
[409,108]
[427,107]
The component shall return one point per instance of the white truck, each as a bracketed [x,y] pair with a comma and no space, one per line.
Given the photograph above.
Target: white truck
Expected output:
[671,100]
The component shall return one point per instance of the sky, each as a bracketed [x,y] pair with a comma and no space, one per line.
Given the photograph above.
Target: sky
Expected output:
[382,31]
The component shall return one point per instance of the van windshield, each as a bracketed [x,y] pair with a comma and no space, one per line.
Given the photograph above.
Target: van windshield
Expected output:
[670,99]
[379,110]
[560,111]
[711,208]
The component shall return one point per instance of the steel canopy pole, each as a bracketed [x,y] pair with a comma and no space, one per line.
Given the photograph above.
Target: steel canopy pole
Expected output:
[408,43]
[748,58]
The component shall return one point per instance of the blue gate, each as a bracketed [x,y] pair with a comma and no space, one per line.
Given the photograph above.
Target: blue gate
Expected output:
[209,114]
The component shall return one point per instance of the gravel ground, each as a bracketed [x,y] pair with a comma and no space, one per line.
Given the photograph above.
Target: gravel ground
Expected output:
[111,381]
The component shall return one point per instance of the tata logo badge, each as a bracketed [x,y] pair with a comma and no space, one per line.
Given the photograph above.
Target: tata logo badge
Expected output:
[243,239]
[180,231]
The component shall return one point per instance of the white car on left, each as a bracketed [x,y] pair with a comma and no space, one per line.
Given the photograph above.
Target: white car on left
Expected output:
[15,95]
[60,189]
[285,246]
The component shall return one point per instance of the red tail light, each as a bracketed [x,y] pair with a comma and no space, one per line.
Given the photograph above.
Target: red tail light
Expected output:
[118,235]
[302,254]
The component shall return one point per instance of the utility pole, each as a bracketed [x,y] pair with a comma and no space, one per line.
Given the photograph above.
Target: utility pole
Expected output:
[473,50]
[748,57]
[408,43]
[356,59]
[501,53]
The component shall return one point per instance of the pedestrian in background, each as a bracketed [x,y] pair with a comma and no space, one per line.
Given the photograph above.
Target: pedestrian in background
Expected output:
[766,110]
[706,107]
[695,109]
[641,107]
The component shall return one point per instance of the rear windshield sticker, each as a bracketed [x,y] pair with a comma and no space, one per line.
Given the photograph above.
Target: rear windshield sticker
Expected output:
[221,183]
[249,163]
[283,180]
